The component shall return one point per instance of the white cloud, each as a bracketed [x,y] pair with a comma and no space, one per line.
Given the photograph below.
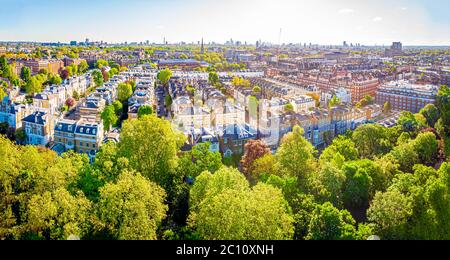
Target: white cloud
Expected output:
[346,11]
[404,8]
[378,19]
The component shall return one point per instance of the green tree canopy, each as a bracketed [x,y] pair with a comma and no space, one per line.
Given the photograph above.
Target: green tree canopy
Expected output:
[131,209]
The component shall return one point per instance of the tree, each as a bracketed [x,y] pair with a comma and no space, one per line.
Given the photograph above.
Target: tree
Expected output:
[295,155]
[164,76]
[334,101]
[100,64]
[431,113]
[3,93]
[223,207]
[21,135]
[198,160]
[289,108]
[65,74]
[109,117]
[370,141]
[327,185]
[124,92]
[426,147]
[58,214]
[213,78]
[408,122]
[357,186]
[342,145]
[257,89]
[390,212]
[105,75]
[98,78]
[152,153]
[387,108]
[75,95]
[443,104]
[3,64]
[70,102]
[131,209]
[145,111]
[118,108]
[83,66]
[25,74]
[254,149]
[406,156]
[33,86]
[328,223]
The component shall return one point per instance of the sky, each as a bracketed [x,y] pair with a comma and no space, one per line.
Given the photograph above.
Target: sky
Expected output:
[369,22]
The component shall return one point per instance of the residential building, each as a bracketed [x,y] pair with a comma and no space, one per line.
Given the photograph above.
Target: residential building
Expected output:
[38,128]
[82,136]
[403,95]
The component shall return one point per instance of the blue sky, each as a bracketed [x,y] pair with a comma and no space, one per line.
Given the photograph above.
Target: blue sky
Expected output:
[415,22]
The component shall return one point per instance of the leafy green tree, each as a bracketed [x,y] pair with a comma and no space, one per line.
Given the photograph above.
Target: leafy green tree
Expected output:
[152,153]
[213,78]
[342,145]
[3,64]
[443,104]
[83,66]
[200,159]
[118,108]
[371,141]
[131,209]
[55,80]
[124,92]
[57,215]
[426,146]
[25,74]
[328,223]
[408,122]
[327,185]
[100,64]
[357,186]
[295,155]
[225,208]
[109,117]
[3,93]
[406,156]
[335,101]
[164,76]
[431,113]
[98,78]
[33,86]
[387,108]
[390,212]
[145,111]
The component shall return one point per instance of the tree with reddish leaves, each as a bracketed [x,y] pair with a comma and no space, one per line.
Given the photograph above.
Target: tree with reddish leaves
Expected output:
[254,150]
[105,75]
[70,102]
[65,74]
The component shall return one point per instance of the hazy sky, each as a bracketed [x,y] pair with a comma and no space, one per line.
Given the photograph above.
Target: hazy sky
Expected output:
[414,22]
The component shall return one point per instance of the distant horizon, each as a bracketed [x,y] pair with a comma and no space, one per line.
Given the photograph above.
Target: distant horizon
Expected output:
[215,43]
[329,22]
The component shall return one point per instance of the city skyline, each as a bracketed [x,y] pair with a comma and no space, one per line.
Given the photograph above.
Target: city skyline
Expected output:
[325,22]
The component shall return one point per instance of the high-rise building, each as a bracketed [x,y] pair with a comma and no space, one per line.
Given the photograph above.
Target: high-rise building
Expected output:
[395,50]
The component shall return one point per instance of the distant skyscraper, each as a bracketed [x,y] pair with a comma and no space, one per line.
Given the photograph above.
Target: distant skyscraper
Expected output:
[203,47]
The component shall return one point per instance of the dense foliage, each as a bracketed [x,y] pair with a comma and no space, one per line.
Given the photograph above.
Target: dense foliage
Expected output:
[391,182]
